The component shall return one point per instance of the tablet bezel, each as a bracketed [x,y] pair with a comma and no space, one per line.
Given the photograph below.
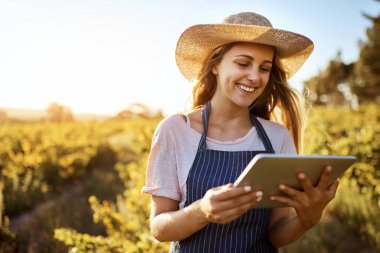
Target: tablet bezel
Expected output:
[266,171]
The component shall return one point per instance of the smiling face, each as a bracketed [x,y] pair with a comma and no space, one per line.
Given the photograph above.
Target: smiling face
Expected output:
[243,74]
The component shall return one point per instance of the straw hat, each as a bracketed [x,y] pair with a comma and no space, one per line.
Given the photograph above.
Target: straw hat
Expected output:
[197,42]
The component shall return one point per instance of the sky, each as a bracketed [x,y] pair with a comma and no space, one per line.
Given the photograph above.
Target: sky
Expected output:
[99,56]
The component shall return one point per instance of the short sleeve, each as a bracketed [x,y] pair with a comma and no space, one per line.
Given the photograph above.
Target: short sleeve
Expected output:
[161,174]
[288,146]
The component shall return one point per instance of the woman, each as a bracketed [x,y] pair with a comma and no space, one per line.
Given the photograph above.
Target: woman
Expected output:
[243,106]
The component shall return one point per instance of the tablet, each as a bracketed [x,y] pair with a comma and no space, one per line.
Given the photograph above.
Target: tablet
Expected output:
[266,171]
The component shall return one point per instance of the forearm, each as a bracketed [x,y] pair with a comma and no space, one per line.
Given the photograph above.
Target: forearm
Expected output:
[286,231]
[178,225]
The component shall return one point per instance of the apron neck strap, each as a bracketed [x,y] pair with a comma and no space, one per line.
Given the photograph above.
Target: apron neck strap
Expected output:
[205,116]
[262,134]
[260,129]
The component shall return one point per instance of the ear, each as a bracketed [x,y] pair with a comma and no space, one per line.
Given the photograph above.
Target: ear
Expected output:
[214,70]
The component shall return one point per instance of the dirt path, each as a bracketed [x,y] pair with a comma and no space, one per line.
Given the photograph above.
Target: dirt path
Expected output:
[27,218]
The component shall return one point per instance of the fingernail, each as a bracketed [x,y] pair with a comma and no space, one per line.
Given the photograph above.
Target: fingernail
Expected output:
[271,198]
[301,176]
[259,199]
[247,188]
[281,186]
[259,194]
[328,168]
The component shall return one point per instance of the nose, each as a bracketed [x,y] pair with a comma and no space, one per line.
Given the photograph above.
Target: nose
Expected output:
[253,75]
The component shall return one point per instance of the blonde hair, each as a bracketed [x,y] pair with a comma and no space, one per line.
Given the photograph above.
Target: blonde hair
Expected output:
[278,102]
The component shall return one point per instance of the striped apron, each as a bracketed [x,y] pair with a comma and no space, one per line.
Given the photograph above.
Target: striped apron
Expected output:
[212,168]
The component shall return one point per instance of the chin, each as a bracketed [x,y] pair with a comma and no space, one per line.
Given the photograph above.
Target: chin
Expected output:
[244,105]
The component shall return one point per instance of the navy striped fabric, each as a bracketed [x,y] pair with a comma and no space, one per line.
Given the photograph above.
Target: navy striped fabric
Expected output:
[212,168]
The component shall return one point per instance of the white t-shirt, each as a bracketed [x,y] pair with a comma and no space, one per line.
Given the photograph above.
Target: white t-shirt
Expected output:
[175,145]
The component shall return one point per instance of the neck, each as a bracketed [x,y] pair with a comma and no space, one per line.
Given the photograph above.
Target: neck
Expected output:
[225,113]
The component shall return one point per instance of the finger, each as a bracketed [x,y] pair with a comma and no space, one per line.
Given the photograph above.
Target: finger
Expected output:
[228,186]
[284,200]
[293,193]
[226,193]
[239,201]
[306,183]
[333,188]
[233,213]
[324,179]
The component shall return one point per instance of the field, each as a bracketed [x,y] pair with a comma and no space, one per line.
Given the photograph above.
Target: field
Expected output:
[76,186]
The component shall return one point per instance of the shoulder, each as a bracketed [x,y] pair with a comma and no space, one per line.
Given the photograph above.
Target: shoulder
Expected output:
[170,121]
[279,136]
[171,126]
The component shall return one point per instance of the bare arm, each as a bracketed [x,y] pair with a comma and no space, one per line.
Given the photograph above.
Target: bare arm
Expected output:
[220,205]
[170,224]
[308,204]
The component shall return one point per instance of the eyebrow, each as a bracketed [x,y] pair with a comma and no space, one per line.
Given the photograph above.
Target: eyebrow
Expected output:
[251,58]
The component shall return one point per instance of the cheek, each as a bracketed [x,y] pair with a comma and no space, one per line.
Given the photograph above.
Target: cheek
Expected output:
[236,75]
[229,75]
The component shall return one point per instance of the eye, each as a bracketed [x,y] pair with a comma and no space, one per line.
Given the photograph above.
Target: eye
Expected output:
[265,69]
[242,64]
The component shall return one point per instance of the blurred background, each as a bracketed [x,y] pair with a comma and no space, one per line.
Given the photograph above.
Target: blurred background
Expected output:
[83,84]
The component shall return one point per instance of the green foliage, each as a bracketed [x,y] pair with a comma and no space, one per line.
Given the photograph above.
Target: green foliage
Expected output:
[366,80]
[352,83]
[6,237]
[349,132]
[350,222]
[363,213]
[7,240]
[127,220]
[36,159]
[84,243]
[43,165]
[326,87]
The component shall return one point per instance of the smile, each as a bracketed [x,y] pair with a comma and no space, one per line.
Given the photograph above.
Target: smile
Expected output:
[246,88]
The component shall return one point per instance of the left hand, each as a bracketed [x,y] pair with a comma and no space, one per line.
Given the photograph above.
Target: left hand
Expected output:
[310,203]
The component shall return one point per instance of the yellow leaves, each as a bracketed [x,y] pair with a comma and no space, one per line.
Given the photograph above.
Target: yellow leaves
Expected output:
[126,221]
[351,132]
[355,207]
[37,158]
[348,132]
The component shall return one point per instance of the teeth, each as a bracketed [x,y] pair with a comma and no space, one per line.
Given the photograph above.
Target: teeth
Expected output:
[245,88]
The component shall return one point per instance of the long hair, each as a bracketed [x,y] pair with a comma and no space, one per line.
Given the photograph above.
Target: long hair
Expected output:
[205,87]
[278,102]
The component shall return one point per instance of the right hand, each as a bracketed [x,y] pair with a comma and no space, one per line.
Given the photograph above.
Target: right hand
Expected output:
[226,203]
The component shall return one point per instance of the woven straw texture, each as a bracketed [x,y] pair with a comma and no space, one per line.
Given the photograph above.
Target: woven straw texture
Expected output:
[197,42]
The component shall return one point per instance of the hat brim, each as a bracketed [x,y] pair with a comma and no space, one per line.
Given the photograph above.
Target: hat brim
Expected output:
[197,42]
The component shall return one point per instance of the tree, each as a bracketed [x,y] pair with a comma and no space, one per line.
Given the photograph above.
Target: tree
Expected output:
[354,83]
[139,110]
[366,79]
[59,113]
[326,87]
[3,116]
